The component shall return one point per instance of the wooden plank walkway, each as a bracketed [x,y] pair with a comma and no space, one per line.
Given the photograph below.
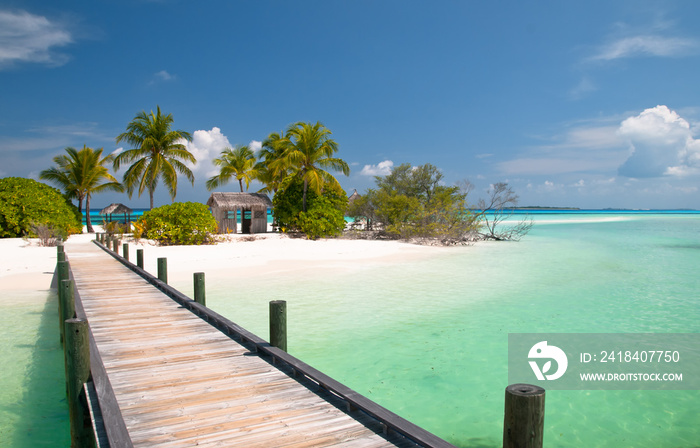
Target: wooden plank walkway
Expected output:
[179,382]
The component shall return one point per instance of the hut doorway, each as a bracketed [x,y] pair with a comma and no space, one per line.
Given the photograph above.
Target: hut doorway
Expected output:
[246,221]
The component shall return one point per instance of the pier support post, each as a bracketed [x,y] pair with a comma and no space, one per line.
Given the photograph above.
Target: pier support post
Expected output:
[66,304]
[115,246]
[60,253]
[78,371]
[125,251]
[163,270]
[524,416]
[62,268]
[199,289]
[278,324]
[139,258]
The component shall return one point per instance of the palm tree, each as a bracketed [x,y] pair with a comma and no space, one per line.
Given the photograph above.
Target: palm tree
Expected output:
[238,163]
[81,174]
[273,168]
[309,150]
[158,152]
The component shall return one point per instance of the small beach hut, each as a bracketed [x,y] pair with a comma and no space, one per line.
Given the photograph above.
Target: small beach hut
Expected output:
[354,196]
[117,209]
[252,207]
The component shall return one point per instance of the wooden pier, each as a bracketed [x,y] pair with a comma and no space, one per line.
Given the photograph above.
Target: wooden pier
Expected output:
[168,372]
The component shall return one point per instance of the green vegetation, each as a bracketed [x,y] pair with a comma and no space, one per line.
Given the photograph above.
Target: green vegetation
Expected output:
[309,151]
[181,223]
[324,216]
[411,203]
[27,205]
[81,174]
[308,198]
[293,166]
[238,163]
[271,169]
[157,153]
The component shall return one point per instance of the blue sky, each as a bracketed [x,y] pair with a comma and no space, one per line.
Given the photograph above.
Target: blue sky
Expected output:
[587,104]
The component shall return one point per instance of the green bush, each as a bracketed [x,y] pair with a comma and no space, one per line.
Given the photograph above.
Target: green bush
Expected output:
[26,205]
[181,223]
[325,213]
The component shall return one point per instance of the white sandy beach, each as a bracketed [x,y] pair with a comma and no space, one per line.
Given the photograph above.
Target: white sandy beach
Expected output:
[26,265]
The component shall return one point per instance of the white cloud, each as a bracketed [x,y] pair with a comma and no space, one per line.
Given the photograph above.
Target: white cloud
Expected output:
[381,169]
[661,143]
[586,146]
[164,76]
[556,165]
[255,146]
[161,76]
[646,45]
[25,37]
[206,146]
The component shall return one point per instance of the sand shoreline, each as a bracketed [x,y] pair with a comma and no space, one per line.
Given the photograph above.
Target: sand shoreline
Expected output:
[26,265]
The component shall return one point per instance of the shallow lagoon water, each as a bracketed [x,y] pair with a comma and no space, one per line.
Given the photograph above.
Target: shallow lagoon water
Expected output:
[33,409]
[428,339]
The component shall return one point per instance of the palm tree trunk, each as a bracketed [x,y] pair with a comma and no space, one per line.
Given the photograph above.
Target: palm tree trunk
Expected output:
[240,181]
[150,193]
[87,215]
[306,186]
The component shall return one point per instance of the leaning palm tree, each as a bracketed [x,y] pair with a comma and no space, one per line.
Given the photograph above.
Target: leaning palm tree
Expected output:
[238,163]
[309,150]
[158,153]
[81,174]
[272,167]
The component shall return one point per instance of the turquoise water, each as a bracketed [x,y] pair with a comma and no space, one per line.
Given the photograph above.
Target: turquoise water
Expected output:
[33,409]
[428,339]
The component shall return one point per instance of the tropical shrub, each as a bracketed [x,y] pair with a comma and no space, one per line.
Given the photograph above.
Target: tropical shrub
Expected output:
[27,205]
[181,223]
[47,235]
[115,227]
[411,203]
[325,213]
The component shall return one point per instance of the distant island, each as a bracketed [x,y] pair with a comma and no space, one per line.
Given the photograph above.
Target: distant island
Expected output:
[537,207]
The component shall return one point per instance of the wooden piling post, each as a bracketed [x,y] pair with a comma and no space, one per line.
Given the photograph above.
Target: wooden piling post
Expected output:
[139,258]
[125,251]
[77,357]
[62,273]
[163,270]
[278,324]
[115,246]
[66,304]
[523,422]
[199,289]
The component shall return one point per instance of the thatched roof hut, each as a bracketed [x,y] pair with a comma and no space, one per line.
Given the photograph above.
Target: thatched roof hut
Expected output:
[117,209]
[252,207]
[353,197]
